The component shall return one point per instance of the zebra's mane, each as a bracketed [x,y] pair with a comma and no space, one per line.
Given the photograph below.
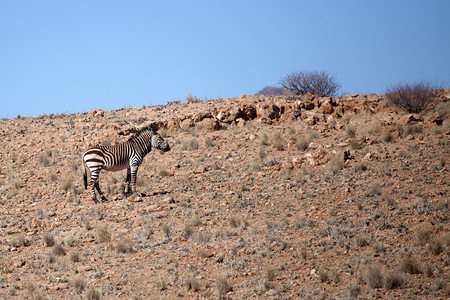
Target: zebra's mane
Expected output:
[140,133]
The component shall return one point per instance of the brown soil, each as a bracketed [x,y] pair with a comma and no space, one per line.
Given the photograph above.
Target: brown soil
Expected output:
[260,197]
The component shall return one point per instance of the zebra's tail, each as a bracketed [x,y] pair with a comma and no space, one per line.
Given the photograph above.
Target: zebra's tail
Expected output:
[84,175]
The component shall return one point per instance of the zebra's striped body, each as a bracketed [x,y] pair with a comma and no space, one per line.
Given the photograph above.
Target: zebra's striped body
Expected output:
[127,155]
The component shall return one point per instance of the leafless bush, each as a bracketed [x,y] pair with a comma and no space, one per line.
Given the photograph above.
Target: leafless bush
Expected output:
[413,97]
[321,83]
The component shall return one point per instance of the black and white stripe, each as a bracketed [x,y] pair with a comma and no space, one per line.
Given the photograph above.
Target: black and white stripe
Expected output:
[127,155]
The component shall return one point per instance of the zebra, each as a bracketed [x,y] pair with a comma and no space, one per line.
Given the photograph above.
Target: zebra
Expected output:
[127,155]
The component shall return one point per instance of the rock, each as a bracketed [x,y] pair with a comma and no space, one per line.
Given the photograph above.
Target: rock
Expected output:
[187,123]
[410,119]
[435,120]
[210,124]
[97,113]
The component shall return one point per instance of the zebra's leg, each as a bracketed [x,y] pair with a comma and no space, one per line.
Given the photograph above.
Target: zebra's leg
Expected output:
[127,183]
[92,185]
[134,169]
[97,186]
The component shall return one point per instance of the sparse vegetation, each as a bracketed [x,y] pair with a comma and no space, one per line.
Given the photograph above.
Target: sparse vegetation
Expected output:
[413,97]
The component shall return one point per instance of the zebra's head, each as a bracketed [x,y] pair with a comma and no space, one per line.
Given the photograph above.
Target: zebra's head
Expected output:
[159,143]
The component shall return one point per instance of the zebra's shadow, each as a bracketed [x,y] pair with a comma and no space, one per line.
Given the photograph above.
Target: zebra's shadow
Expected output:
[154,194]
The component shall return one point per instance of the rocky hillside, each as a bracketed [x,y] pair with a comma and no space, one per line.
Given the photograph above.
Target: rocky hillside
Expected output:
[260,197]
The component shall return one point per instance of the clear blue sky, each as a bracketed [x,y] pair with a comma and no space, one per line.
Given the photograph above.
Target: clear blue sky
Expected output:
[75,56]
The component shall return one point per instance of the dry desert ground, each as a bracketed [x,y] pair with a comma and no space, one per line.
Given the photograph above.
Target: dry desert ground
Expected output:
[259,198]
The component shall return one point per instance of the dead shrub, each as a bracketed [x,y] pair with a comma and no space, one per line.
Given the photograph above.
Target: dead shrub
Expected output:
[188,230]
[336,163]
[387,137]
[189,145]
[413,97]
[412,129]
[323,276]
[234,221]
[318,83]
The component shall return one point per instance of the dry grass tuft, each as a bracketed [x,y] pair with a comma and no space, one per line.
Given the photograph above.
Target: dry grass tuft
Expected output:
[336,163]
[66,182]
[393,280]
[277,141]
[58,250]
[222,285]
[75,257]
[423,234]
[166,230]
[372,276]
[124,245]
[92,294]
[302,143]
[192,284]
[350,131]
[20,241]
[79,284]
[361,240]
[49,240]
[410,265]
[437,245]
[102,234]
